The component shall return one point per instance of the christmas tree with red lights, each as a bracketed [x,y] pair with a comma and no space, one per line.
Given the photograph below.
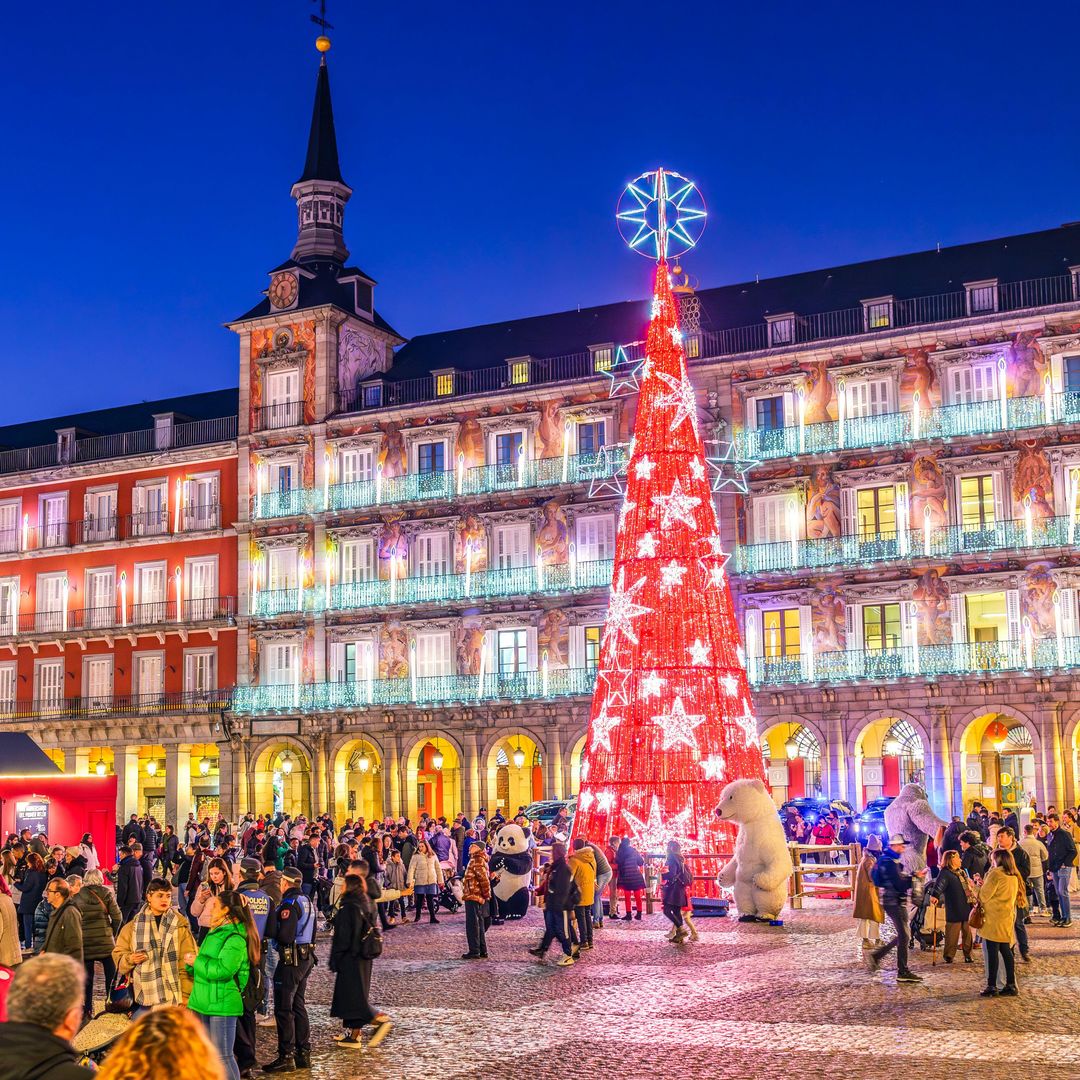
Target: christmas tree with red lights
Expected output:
[672,720]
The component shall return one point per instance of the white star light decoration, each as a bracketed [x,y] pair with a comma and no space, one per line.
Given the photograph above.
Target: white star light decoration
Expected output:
[730,684]
[623,609]
[681,398]
[678,506]
[671,576]
[712,767]
[730,469]
[699,655]
[678,726]
[625,375]
[748,725]
[585,800]
[651,836]
[646,546]
[602,724]
[697,469]
[652,685]
[605,800]
[624,513]
[617,678]
[643,469]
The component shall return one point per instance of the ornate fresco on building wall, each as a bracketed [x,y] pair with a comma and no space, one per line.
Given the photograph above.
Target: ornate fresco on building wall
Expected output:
[552,537]
[1033,479]
[393,650]
[470,442]
[284,339]
[553,638]
[549,431]
[1026,365]
[1037,588]
[931,597]
[928,492]
[470,641]
[828,619]
[470,531]
[392,455]
[359,357]
[823,514]
[918,375]
[392,543]
[819,394]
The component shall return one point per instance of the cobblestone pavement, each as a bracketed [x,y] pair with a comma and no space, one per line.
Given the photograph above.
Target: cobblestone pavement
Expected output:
[745,1001]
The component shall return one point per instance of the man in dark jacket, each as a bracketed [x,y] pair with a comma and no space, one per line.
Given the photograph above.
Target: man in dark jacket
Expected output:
[307,862]
[975,819]
[64,934]
[559,899]
[1061,849]
[129,883]
[951,840]
[894,885]
[132,831]
[45,1009]
[974,854]
[1006,841]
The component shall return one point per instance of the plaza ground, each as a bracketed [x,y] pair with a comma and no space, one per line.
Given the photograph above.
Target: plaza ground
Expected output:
[745,1001]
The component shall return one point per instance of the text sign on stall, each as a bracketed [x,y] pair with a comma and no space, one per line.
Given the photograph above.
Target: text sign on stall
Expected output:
[32,815]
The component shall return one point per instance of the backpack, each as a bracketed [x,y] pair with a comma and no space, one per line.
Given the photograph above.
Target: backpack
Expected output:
[252,993]
[370,945]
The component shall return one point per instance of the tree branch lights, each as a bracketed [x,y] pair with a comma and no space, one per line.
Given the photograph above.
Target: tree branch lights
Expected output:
[672,698]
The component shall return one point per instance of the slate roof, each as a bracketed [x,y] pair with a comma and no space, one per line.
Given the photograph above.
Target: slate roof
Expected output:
[1048,253]
[205,406]
[322,155]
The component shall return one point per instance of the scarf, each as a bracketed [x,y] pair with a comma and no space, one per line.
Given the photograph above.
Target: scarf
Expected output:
[157,979]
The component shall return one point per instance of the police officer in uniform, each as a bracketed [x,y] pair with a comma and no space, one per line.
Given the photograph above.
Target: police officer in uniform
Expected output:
[262,913]
[295,920]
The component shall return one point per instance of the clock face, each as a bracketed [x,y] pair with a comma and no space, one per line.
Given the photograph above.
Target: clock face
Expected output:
[283,289]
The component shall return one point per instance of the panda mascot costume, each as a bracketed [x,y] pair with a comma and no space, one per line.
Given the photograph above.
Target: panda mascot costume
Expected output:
[512,862]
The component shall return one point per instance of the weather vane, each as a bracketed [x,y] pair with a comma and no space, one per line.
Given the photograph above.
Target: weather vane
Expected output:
[320,21]
[661,214]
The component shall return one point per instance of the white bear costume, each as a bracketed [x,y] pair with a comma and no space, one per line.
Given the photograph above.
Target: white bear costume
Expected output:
[512,861]
[761,866]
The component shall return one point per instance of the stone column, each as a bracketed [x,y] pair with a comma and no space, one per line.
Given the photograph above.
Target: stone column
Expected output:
[82,763]
[393,781]
[838,780]
[938,762]
[178,800]
[234,784]
[555,783]
[1050,766]
[318,775]
[126,767]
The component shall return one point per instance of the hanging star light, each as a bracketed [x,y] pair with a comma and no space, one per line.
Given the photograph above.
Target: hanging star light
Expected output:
[605,800]
[623,609]
[644,468]
[681,398]
[624,374]
[678,725]
[646,546]
[652,685]
[699,653]
[729,468]
[602,724]
[678,506]
[671,576]
[651,836]
[713,766]
[617,679]
[624,512]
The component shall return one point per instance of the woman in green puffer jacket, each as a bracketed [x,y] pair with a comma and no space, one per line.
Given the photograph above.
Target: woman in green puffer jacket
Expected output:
[220,972]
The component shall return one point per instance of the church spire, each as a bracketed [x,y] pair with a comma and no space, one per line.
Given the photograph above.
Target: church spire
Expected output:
[321,193]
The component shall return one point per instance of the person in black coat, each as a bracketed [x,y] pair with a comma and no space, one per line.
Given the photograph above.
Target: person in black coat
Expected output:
[1061,848]
[307,862]
[953,891]
[974,854]
[559,899]
[354,921]
[631,879]
[33,885]
[132,831]
[129,883]
[676,879]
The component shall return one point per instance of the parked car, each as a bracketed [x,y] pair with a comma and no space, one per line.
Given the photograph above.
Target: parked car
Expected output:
[812,808]
[545,810]
[872,820]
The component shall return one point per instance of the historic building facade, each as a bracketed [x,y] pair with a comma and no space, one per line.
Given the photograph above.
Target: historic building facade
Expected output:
[424,531]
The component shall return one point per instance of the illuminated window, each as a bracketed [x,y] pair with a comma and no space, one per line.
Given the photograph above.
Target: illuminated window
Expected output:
[987,616]
[781,631]
[444,383]
[976,503]
[512,651]
[875,510]
[507,447]
[519,372]
[881,626]
[1071,372]
[692,344]
[878,313]
[602,356]
[592,647]
[973,382]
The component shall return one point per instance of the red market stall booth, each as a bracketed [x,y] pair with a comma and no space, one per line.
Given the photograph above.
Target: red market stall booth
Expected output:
[35,794]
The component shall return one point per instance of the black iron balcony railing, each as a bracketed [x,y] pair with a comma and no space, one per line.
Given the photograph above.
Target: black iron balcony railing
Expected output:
[81,620]
[76,708]
[283,415]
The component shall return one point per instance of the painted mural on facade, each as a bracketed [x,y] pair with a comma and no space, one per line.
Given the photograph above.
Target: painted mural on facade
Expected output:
[553,534]
[823,512]
[1033,479]
[931,599]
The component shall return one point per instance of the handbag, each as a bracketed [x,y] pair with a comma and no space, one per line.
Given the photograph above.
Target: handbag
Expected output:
[977,916]
[120,998]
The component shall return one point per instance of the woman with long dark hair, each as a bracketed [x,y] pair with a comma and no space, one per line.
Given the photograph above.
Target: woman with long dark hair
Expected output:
[676,880]
[350,959]
[218,880]
[227,955]
[33,888]
[631,878]
[88,853]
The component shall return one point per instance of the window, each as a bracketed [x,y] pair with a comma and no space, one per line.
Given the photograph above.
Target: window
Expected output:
[781,633]
[868,397]
[97,681]
[769,413]
[201,503]
[150,593]
[281,568]
[602,356]
[200,671]
[595,538]
[875,510]
[281,476]
[52,592]
[9,605]
[283,405]
[431,457]
[200,595]
[982,296]
[149,674]
[355,466]
[878,314]
[591,436]
[973,382]
[519,371]
[781,329]
[1072,374]
[100,598]
[987,616]
[373,395]
[432,554]
[444,383]
[976,503]
[881,626]
[512,651]
[65,446]
[280,663]
[343,661]
[99,516]
[508,447]
[771,518]
[48,683]
[512,546]
[10,537]
[433,654]
[163,432]
[357,561]
[692,346]
[9,681]
[52,511]
[150,508]
[592,647]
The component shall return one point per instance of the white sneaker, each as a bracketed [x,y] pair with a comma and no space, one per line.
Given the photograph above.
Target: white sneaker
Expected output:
[266,1021]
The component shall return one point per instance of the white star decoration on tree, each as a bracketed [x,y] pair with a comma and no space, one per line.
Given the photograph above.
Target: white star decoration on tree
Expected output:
[730,684]
[716,576]
[682,398]
[623,609]
[671,576]
[605,800]
[651,836]
[697,470]
[652,685]
[646,546]
[677,506]
[748,725]
[624,513]
[617,678]
[678,725]
[699,654]
[643,469]
[712,766]
[601,728]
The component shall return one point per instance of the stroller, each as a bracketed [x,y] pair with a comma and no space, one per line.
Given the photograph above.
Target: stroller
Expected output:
[450,894]
[927,938]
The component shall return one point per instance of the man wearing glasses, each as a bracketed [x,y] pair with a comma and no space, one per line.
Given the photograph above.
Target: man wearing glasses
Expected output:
[64,935]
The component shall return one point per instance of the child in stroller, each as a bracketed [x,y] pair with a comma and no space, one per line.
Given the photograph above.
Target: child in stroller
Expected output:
[451,892]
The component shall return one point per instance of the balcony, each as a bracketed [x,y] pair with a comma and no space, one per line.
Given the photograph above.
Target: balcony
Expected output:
[945,542]
[118,705]
[891,429]
[111,620]
[125,444]
[445,486]
[269,603]
[285,414]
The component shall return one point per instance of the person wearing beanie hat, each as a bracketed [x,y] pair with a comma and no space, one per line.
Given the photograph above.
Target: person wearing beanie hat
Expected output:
[476,893]
[868,913]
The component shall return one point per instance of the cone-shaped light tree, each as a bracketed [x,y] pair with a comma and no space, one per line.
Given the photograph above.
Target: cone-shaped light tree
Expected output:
[672,720]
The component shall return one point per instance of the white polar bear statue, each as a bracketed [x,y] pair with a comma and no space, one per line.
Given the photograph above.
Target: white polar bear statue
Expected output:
[760,869]
[911,816]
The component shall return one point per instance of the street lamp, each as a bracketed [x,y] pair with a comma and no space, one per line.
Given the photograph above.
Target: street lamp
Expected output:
[437,757]
[204,765]
[286,763]
[151,767]
[519,757]
[791,747]
[891,747]
[363,762]
[101,768]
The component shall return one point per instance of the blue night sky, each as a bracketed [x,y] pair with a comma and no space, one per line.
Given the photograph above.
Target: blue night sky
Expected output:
[149,152]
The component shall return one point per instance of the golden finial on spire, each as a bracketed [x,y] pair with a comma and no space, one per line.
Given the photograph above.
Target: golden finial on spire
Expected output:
[322,42]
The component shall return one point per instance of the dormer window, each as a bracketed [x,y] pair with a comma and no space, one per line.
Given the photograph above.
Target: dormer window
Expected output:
[1074,271]
[692,346]
[163,430]
[65,446]
[781,329]
[878,314]
[982,296]
[518,370]
[371,394]
[603,356]
[444,382]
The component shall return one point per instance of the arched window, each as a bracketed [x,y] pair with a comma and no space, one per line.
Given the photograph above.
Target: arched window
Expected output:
[902,741]
[1017,740]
